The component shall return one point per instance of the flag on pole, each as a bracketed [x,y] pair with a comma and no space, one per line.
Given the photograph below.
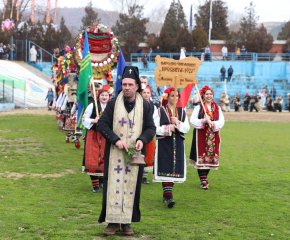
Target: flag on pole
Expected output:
[121,65]
[86,73]
[184,96]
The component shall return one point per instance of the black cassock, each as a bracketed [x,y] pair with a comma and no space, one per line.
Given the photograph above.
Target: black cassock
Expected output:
[105,127]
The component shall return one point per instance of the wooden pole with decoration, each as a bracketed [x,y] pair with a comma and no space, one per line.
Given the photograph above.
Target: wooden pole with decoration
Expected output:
[185,71]
[94,95]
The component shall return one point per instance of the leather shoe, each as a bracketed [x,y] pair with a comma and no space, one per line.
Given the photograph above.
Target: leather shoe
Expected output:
[164,199]
[96,190]
[170,203]
[145,181]
[111,229]
[127,230]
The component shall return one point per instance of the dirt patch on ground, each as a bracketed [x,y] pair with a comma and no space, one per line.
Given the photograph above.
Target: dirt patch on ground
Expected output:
[33,111]
[16,176]
[283,117]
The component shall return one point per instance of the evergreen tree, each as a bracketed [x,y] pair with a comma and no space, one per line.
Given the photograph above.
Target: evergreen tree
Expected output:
[263,40]
[175,19]
[184,39]
[134,22]
[131,46]
[249,22]
[91,16]
[220,28]
[65,34]
[199,36]
[164,41]
[253,38]
[285,32]
[51,38]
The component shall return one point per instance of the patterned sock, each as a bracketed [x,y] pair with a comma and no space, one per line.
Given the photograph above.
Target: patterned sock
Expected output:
[167,190]
[95,181]
[202,173]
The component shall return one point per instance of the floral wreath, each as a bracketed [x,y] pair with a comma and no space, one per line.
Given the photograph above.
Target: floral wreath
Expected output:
[204,89]
[108,62]
[7,24]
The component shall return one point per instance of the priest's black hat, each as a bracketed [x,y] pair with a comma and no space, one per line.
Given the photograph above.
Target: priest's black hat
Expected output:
[132,72]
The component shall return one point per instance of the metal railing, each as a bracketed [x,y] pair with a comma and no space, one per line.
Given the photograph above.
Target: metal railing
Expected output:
[216,56]
[12,91]
[47,57]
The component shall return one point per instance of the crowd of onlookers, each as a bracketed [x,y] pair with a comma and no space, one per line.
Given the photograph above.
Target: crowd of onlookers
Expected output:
[263,100]
[6,52]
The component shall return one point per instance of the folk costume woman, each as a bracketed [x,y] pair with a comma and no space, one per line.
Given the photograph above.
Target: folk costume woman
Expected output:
[170,160]
[150,147]
[205,147]
[93,161]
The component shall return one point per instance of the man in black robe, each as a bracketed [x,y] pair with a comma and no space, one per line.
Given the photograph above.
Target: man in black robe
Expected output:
[130,86]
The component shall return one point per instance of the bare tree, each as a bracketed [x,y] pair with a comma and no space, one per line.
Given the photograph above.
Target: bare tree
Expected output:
[157,16]
[123,6]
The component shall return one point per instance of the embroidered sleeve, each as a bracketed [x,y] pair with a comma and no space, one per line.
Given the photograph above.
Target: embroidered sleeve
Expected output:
[63,106]
[163,130]
[86,120]
[183,127]
[74,108]
[194,121]
[166,130]
[217,125]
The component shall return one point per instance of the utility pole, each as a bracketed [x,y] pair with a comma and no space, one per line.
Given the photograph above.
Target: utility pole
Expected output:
[210,22]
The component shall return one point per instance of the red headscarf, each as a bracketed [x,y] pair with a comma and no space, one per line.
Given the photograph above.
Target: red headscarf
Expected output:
[214,106]
[149,89]
[166,94]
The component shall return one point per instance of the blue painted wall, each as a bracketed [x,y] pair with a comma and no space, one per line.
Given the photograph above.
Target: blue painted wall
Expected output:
[248,77]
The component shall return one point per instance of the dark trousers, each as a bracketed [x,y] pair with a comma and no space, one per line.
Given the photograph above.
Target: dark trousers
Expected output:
[253,107]
[229,77]
[246,106]
[277,106]
[236,107]
[223,76]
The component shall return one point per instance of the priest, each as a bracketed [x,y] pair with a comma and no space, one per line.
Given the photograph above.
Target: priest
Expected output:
[127,122]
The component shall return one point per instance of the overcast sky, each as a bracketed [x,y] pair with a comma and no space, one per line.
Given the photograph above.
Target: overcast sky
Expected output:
[269,11]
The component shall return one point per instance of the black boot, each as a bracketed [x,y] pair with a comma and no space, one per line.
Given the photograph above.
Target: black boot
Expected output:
[145,181]
[96,190]
[170,203]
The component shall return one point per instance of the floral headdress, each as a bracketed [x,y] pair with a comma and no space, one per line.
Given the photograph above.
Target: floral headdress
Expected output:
[166,94]
[106,88]
[204,89]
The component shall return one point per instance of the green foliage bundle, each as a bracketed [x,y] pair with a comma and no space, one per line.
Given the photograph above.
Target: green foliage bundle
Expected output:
[128,155]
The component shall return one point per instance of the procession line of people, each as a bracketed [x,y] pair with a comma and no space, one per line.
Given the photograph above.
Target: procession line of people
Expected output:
[131,121]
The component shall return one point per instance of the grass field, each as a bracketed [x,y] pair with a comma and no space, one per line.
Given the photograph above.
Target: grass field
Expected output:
[45,195]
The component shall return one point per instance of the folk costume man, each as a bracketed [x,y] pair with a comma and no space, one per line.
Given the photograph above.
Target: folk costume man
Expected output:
[127,122]
[170,160]
[205,148]
[246,100]
[236,101]
[93,161]
[254,101]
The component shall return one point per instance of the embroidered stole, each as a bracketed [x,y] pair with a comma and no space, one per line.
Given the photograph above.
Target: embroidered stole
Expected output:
[122,177]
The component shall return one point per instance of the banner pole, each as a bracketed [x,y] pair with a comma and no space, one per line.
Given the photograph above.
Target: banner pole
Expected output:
[175,92]
[95,99]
